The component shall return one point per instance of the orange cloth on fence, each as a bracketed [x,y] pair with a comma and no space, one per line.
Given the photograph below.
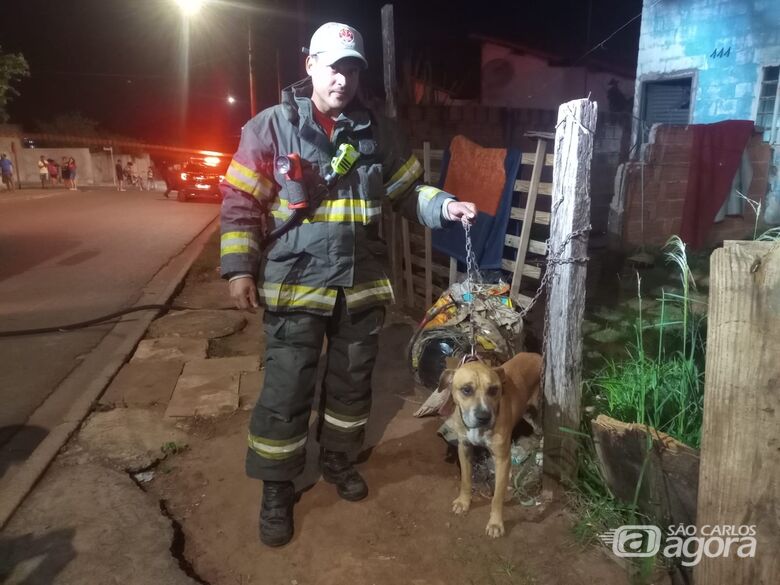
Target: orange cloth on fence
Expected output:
[476,174]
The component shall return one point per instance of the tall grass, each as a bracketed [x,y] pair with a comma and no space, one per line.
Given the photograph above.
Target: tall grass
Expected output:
[770,235]
[659,384]
[663,389]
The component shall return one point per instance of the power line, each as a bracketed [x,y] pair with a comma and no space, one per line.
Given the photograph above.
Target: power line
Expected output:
[624,25]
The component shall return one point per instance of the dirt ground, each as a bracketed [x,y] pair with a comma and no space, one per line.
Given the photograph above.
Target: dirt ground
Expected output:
[108,531]
[403,533]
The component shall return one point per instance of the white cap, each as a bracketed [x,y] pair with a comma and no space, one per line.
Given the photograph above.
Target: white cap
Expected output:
[334,41]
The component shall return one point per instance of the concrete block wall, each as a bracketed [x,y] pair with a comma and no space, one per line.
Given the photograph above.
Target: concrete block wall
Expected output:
[93,168]
[610,148]
[725,42]
[667,162]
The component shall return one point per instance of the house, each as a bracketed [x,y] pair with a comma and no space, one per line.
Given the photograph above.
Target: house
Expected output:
[700,62]
[517,76]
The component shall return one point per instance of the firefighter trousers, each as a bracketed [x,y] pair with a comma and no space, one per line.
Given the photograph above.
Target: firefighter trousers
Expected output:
[280,420]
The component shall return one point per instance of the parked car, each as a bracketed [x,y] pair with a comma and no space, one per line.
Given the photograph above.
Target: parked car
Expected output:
[199,178]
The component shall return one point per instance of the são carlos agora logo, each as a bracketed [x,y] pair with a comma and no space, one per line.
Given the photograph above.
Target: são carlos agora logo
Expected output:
[683,542]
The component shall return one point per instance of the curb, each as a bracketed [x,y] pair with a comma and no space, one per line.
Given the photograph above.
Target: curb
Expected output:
[85,384]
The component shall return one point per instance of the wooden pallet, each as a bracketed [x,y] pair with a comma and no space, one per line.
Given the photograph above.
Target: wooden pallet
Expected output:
[420,273]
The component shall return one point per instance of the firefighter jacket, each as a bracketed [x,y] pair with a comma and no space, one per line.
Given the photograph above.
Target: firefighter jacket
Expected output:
[336,245]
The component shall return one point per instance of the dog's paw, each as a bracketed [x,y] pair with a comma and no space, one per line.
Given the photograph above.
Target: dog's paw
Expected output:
[495,529]
[461,505]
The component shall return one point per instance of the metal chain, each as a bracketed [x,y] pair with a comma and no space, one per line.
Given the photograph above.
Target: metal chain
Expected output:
[472,278]
[554,259]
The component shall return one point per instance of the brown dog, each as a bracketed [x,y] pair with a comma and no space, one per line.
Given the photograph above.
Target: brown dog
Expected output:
[489,403]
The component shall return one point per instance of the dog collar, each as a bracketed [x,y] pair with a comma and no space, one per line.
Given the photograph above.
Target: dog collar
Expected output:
[470,357]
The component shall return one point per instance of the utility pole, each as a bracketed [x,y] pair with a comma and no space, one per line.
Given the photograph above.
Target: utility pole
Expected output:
[252,98]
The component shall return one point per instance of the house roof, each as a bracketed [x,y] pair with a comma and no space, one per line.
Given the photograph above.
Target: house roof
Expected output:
[557,60]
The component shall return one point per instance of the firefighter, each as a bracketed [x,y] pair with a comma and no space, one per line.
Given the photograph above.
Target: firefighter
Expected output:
[319,274]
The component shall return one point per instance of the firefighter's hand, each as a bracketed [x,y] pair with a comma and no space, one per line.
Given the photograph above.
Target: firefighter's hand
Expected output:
[244,293]
[463,211]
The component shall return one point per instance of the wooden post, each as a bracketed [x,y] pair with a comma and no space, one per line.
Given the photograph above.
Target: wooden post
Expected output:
[428,234]
[528,219]
[388,54]
[407,256]
[394,246]
[388,51]
[566,285]
[739,480]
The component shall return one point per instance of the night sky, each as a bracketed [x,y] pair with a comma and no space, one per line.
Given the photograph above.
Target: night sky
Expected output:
[120,62]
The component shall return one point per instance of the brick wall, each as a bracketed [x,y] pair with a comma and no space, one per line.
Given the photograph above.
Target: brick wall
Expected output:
[667,159]
[487,126]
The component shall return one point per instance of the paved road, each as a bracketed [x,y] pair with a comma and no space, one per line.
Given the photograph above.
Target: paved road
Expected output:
[69,256]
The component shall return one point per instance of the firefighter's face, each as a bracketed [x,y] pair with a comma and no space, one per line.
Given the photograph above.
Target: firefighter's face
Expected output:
[334,85]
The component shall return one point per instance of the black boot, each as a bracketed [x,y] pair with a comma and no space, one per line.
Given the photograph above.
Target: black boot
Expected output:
[337,468]
[276,513]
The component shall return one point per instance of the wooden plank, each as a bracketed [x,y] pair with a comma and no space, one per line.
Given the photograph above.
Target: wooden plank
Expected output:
[394,246]
[435,155]
[407,250]
[388,54]
[437,269]
[574,134]
[529,270]
[525,186]
[631,454]
[428,268]
[426,162]
[417,240]
[420,282]
[739,482]
[428,237]
[522,300]
[540,217]
[530,206]
[530,158]
[534,246]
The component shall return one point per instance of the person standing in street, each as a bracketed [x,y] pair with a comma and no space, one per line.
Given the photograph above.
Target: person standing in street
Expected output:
[7,171]
[170,176]
[72,173]
[54,171]
[120,175]
[43,171]
[320,276]
[64,172]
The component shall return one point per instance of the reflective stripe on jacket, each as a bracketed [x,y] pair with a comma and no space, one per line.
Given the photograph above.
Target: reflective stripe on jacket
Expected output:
[336,245]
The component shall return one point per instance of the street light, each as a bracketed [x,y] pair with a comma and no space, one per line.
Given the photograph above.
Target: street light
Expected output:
[190,8]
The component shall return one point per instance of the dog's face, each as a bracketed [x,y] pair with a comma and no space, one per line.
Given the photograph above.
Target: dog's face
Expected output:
[476,390]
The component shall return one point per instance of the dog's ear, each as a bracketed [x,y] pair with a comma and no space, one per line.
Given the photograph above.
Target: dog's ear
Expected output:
[445,380]
[445,387]
[501,374]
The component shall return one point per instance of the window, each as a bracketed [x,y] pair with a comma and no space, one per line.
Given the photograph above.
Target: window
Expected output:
[768,104]
[666,101]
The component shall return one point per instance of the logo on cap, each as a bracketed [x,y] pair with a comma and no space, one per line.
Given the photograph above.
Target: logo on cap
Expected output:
[346,37]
